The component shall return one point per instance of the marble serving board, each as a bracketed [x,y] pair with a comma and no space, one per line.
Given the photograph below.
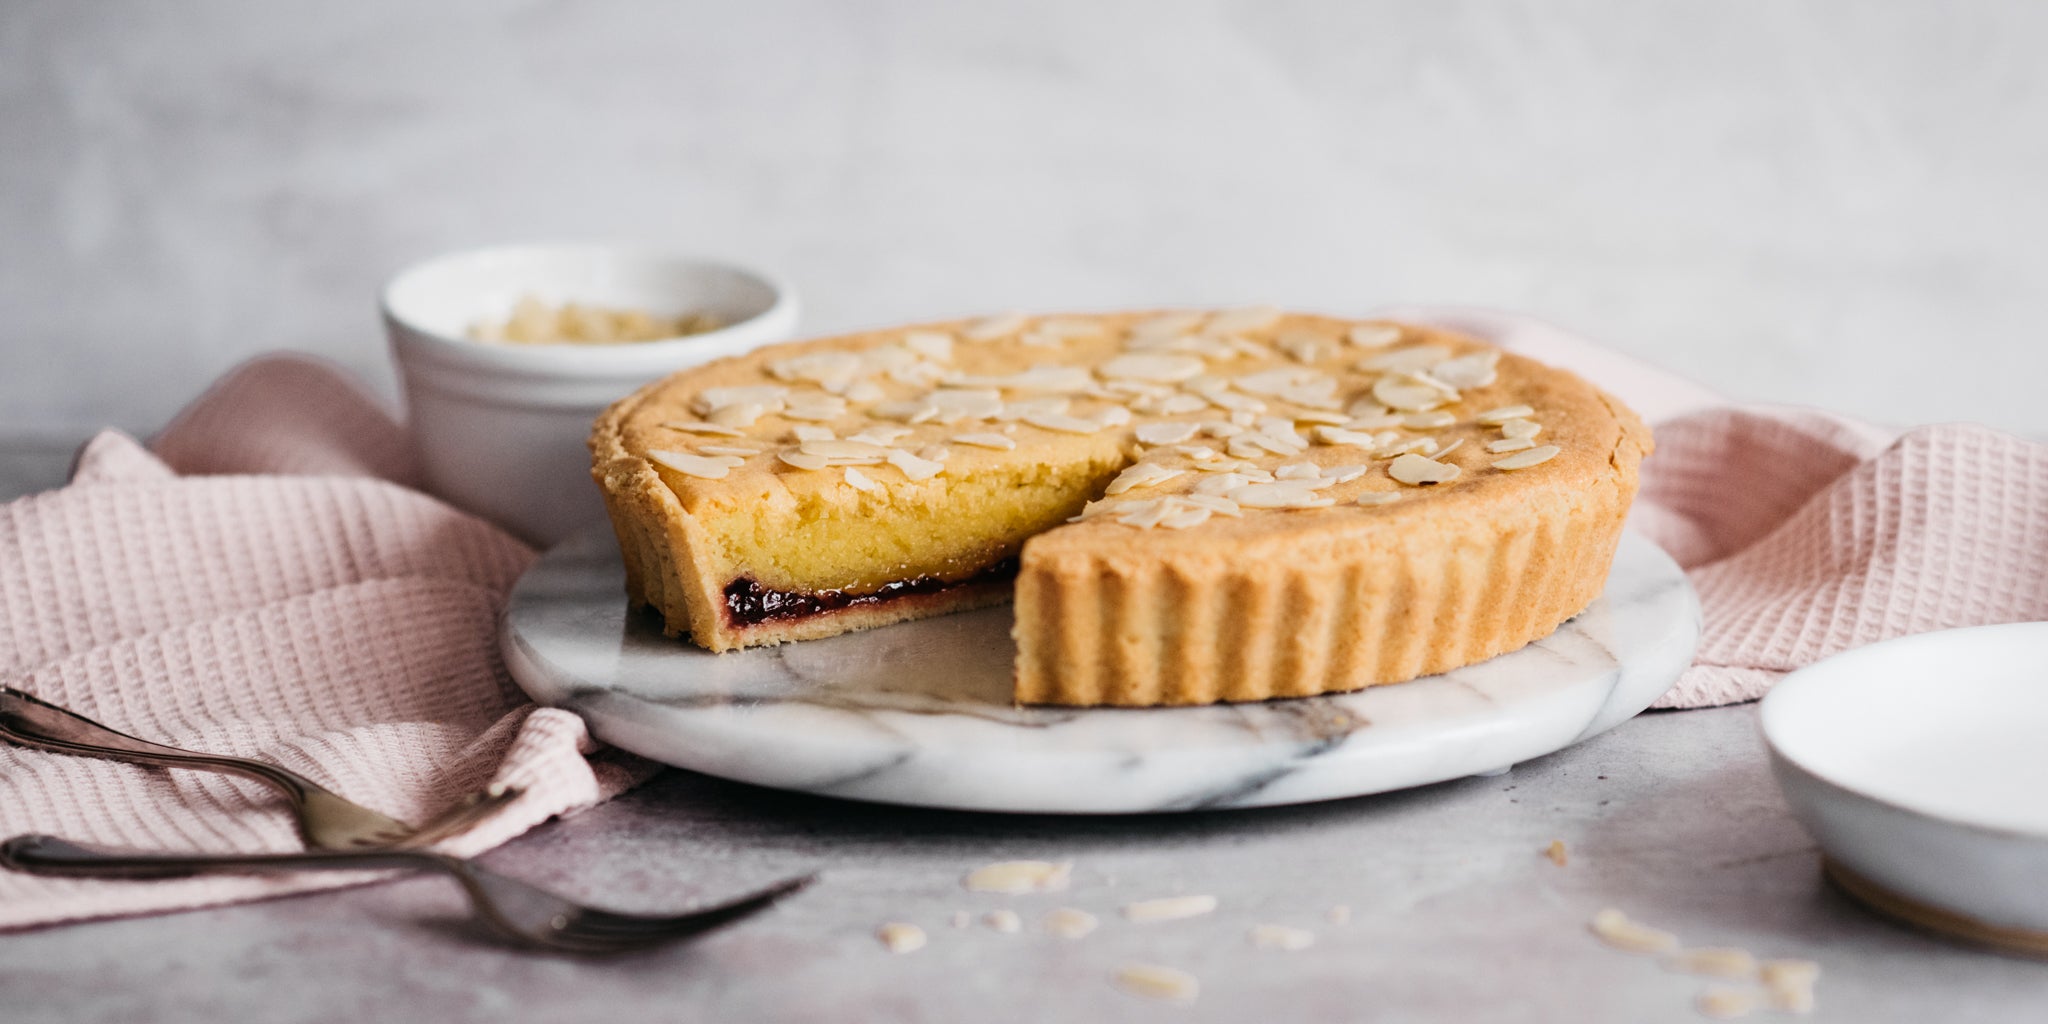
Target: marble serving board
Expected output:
[920,713]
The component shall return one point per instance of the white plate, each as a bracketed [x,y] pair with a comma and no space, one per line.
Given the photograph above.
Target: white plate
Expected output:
[1920,766]
[920,713]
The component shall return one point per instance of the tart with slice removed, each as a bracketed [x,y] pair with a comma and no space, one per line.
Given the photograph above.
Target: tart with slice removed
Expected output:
[1188,507]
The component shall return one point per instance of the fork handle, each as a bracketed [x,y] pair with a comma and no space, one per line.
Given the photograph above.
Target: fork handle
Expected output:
[49,855]
[33,722]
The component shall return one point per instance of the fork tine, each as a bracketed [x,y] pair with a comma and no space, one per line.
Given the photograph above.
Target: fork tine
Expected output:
[627,931]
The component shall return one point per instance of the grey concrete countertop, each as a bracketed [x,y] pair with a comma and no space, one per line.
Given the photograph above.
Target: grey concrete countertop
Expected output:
[1455,912]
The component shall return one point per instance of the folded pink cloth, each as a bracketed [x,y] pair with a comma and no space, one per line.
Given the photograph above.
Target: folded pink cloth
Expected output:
[320,615]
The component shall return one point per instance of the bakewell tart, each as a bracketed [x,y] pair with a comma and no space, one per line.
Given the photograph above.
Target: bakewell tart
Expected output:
[1193,507]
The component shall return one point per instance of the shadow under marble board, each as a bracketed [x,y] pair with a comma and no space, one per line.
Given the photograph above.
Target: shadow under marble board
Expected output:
[920,713]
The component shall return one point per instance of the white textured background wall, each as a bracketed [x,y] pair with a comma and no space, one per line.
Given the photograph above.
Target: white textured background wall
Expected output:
[1838,203]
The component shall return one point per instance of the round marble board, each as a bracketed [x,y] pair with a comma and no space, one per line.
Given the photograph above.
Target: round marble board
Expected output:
[920,713]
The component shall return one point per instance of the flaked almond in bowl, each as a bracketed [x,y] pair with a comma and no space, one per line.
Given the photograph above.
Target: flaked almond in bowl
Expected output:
[499,424]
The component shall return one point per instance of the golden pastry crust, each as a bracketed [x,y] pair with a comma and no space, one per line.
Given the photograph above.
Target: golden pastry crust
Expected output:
[1245,604]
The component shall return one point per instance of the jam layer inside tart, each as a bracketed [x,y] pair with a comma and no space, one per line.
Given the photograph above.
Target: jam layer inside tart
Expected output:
[749,603]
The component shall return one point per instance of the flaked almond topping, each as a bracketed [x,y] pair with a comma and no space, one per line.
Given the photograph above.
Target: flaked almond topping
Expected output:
[802,461]
[1306,346]
[1232,401]
[735,450]
[1198,452]
[1615,929]
[1280,936]
[1532,457]
[1152,366]
[1379,497]
[900,937]
[913,467]
[1520,428]
[1342,435]
[695,427]
[709,467]
[860,481]
[1181,405]
[1155,982]
[1280,494]
[1113,416]
[805,432]
[1428,420]
[1373,335]
[834,371]
[934,345]
[994,328]
[1169,908]
[1510,444]
[847,449]
[1003,920]
[1281,380]
[1366,408]
[742,415]
[1298,471]
[1165,433]
[1418,471]
[1379,422]
[881,434]
[913,411]
[1323,417]
[1047,405]
[1141,474]
[1181,516]
[1020,876]
[1405,360]
[1069,923]
[1392,444]
[863,392]
[1726,1003]
[1714,962]
[1439,453]
[935,452]
[1496,417]
[1218,504]
[768,396]
[1343,474]
[1242,321]
[816,408]
[1408,394]
[1144,514]
[1476,370]
[1063,423]
[1244,417]
[996,441]
[1038,378]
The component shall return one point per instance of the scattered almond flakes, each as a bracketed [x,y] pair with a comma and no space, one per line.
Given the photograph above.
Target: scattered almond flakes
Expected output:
[860,481]
[695,427]
[1520,428]
[899,937]
[1164,433]
[1723,1003]
[803,461]
[1020,876]
[913,467]
[997,441]
[1532,457]
[1418,471]
[1169,908]
[1152,366]
[1790,984]
[1003,920]
[1374,335]
[1496,417]
[1280,936]
[1556,852]
[1510,444]
[1714,962]
[1155,982]
[1069,923]
[708,467]
[1617,931]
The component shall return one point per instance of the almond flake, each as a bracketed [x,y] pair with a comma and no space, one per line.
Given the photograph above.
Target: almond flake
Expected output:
[1141,474]
[1343,474]
[737,451]
[847,449]
[1198,452]
[1306,346]
[806,432]
[881,435]
[1182,516]
[1144,514]
[1164,433]
[1469,371]
[1069,923]
[1280,936]
[768,396]
[711,467]
[1532,457]
[1726,1003]
[802,461]
[933,345]
[956,404]
[860,481]
[1218,504]
[1149,366]
[1322,417]
[996,441]
[1428,420]
[1037,378]
[1242,321]
[1406,360]
[819,409]
[899,937]
[1616,930]
[1417,471]
[913,467]
[1714,962]
[1284,494]
[741,415]
[1439,453]
[1510,444]
[1167,325]
[1408,394]
[1520,428]
[1155,982]
[935,452]
[1342,435]
[1020,876]
[1298,471]
[1063,423]
[1003,920]
[863,392]
[1379,497]
[1496,417]
[694,427]
[1169,908]
[994,328]
[1790,984]
[1379,422]
[1373,335]
[1181,405]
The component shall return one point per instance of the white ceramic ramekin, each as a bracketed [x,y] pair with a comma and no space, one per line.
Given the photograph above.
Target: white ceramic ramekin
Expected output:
[500,428]
[1921,766]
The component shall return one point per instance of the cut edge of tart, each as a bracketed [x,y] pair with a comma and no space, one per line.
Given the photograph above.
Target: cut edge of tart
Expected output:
[1195,507]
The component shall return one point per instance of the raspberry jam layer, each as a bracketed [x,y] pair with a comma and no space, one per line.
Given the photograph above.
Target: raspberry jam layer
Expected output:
[748,603]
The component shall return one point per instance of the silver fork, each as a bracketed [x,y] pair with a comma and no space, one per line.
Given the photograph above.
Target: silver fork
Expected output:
[514,908]
[326,821]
